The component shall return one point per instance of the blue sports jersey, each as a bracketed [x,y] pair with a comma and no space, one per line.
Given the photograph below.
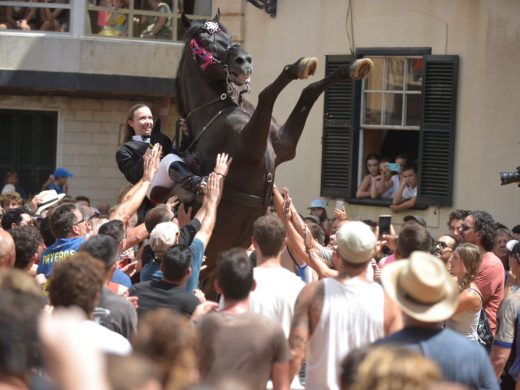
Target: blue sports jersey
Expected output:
[61,249]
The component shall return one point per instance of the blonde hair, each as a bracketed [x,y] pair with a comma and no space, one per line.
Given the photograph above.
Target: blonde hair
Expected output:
[471,258]
[394,368]
[10,198]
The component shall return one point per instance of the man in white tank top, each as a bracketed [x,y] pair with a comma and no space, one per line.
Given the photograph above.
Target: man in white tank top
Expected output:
[337,315]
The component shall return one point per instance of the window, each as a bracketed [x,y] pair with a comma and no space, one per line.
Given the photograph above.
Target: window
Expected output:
[151,19]
[28,146]
[52,15]
[406,106]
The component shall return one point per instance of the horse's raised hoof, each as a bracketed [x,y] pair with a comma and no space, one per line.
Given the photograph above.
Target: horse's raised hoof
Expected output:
[361,68]
[306,67]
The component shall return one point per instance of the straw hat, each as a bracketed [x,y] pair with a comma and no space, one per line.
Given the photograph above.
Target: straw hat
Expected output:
[422,287]
[49,198]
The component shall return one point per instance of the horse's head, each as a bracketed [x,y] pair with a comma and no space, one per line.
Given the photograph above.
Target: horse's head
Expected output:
[211,47]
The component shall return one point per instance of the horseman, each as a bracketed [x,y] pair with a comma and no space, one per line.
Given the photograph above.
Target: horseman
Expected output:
[212,75]
[174,175]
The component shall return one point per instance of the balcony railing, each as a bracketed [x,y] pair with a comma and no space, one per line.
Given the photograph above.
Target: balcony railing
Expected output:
[126,19]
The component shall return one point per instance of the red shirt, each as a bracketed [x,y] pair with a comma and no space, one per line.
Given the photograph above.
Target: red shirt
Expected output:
[490,281]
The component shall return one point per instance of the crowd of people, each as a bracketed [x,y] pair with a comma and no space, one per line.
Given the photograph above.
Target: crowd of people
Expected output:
[395,182]
[111,299]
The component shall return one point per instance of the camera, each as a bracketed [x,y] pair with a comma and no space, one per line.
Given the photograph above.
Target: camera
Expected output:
[510,177]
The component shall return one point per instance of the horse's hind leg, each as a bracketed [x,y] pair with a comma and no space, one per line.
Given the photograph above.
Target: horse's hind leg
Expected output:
[291,130]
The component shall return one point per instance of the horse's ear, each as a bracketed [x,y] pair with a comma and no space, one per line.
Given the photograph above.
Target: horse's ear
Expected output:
[186,22]
[217,16]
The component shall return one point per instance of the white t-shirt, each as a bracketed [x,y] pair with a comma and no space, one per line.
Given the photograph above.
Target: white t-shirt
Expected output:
[409,193]
[275,294]
[103,338]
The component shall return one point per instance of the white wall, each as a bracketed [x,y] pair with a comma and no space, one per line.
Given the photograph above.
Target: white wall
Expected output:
[486,36]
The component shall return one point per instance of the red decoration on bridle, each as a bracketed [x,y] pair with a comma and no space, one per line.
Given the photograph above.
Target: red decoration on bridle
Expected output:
[205,57]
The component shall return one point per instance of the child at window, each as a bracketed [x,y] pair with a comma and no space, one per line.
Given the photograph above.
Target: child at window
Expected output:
[116,22]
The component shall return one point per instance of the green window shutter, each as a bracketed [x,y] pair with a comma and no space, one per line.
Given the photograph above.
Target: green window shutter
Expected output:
[437,136]
[338,134]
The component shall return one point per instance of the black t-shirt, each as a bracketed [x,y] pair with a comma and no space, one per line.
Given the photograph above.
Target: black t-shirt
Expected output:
[117,314]
[155,294]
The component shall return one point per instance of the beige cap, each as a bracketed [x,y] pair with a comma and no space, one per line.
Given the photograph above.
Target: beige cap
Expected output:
[356,242]
[163,236]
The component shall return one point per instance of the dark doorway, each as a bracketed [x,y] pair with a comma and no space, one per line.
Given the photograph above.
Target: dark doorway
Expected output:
[28,146]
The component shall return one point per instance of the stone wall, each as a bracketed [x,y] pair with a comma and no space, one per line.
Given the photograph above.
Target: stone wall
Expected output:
[88,136]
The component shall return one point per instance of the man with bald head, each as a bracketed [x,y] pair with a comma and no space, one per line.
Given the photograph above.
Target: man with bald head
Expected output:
[7,250]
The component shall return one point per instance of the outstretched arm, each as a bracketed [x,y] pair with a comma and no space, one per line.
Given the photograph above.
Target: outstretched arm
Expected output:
[294,239]
[212,197]
[314,260]
[135,196]
[210,204]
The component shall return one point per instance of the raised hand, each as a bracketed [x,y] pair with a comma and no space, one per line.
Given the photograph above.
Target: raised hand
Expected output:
[340,215]
[287,204]
[222,164]
[183,216]
[151,162]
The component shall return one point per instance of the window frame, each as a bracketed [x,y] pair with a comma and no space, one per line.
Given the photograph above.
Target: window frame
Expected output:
[442,130]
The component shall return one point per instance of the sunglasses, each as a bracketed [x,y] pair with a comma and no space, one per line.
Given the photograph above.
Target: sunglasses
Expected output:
[442,244]
[81,220]
[464,227]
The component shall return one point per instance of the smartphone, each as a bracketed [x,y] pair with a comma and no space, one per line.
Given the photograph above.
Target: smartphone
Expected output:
[384,224]
[394,167]
[124,261]
[339,205]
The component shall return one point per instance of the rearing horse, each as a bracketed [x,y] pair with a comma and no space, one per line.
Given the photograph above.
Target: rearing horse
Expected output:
[212,75]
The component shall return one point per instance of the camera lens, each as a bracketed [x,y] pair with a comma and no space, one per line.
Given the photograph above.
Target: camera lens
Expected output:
[509,177]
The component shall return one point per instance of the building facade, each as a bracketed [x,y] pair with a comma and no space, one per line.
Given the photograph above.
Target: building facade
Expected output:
[444,91]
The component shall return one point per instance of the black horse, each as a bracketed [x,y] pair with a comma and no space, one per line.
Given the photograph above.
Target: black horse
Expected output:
[212,75]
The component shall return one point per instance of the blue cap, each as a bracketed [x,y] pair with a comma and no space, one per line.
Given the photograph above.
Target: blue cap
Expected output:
[62,172]
[318,203]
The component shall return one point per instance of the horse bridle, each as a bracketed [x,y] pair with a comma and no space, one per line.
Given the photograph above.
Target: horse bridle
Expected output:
[206,56]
